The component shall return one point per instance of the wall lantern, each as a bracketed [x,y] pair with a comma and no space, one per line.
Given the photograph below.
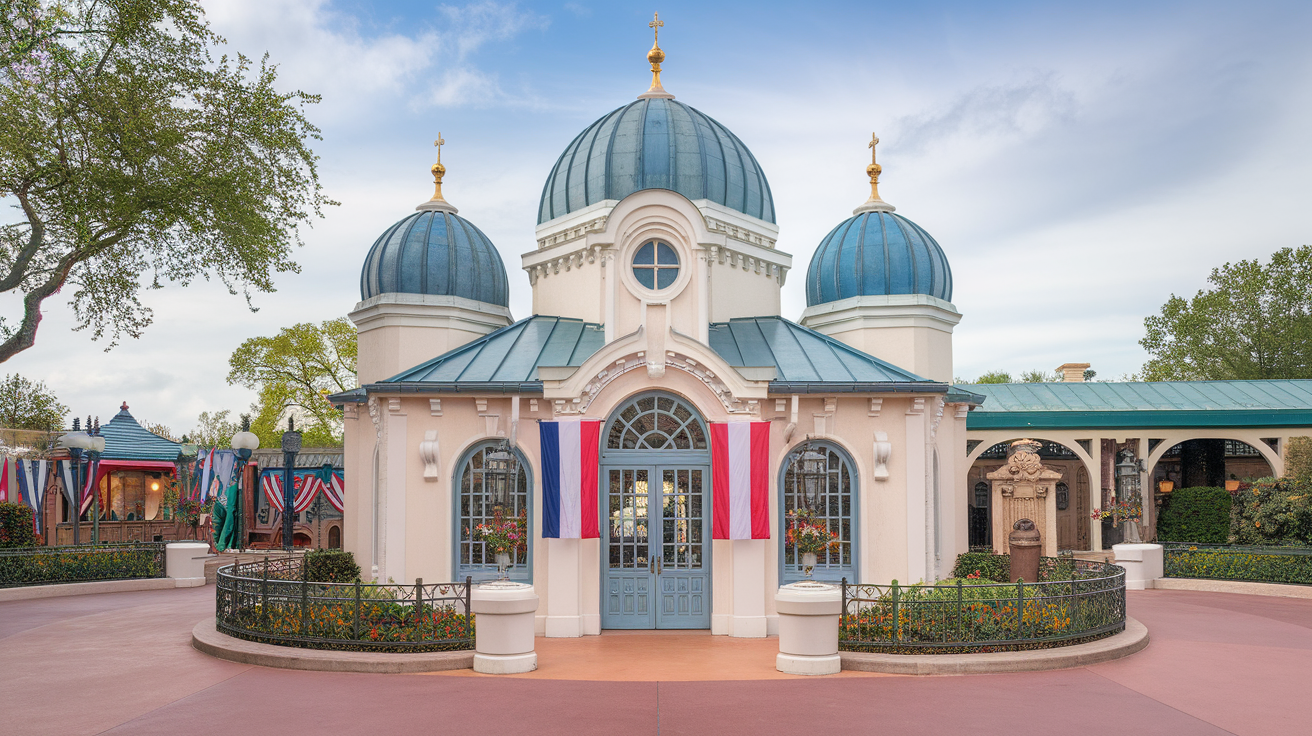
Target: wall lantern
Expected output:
[810,466]
[1127,478]
[499,474]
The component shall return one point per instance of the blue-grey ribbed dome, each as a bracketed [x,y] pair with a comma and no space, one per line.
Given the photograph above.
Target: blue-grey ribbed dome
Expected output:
[656,143]
[435,253]
[877,253]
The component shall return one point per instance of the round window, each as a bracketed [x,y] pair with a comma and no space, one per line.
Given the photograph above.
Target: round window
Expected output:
[656,265]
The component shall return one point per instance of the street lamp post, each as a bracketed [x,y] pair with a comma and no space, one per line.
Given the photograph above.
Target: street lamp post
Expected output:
[76,442]
[93,464]
[291,446]
[244,442]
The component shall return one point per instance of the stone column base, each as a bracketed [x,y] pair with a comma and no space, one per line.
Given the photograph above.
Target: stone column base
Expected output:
[505,664]
[801,664]
[1143,564]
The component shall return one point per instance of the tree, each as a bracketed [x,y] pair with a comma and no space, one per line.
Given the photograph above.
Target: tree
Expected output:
[1255,323]
[994,377]
[294,371]
[26,404]
[214,430]
[133,157]
[1035,376]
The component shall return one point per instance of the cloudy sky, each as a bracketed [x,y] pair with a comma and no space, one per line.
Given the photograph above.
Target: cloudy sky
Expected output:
[1078,163]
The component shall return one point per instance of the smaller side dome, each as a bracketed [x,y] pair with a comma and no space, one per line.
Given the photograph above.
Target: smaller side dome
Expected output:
[435,252]
[877,253]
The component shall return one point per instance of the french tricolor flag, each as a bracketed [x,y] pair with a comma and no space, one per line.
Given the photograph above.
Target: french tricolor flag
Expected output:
[740,479]
[569,479]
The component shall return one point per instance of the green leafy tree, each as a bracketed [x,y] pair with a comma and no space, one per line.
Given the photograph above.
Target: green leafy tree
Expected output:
[294,372]
[994,377]
[214,430]
[1037,376]
[1254,323]
[132,156]
[26,404]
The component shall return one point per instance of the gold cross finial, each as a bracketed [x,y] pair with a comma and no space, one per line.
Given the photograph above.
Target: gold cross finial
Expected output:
[438,170]
[873,169]
[656,56]
[439,143]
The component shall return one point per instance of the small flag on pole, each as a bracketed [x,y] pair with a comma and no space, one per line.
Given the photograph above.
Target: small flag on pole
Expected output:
[740,479]
[569,479]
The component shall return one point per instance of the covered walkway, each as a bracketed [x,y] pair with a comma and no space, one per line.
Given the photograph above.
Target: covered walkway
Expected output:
[122,663]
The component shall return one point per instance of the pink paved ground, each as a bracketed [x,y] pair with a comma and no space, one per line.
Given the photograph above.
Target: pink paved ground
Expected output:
[122,663]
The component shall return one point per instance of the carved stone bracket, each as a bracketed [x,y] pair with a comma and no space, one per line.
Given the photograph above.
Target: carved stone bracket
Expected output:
[428,452]
[883,450]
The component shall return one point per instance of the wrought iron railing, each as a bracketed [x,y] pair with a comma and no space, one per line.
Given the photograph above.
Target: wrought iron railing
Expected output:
[1236,562]
[271,601]
[84,563]
[1074,601]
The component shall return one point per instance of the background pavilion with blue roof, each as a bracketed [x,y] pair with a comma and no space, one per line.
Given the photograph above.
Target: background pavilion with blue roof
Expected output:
[656,282]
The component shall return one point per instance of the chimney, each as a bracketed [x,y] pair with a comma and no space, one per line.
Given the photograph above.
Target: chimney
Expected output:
[1072,372]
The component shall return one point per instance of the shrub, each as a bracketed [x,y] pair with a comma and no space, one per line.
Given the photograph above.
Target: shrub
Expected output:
[991,567]
[1240,564]
[16,525]
[331,566]
[1200,514]
[1272,512]
[50,565]
[1298,460]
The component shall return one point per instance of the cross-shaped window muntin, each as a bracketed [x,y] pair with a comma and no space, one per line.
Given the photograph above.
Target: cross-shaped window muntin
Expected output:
[656,265]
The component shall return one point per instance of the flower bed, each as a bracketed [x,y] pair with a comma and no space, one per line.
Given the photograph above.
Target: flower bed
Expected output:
[271,602]
[80,564]
[1251,564]
[1074,601]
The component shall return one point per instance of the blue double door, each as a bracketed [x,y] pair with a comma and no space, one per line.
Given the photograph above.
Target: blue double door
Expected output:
[656,553]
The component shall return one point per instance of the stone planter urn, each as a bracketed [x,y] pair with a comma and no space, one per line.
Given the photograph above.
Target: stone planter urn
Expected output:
[503,564]
[808,563]
[808,628]
[503,627]
[185,563]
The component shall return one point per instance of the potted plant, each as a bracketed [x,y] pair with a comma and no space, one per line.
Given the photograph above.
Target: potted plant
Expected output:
[809,537]
[504,536]
[1122,512]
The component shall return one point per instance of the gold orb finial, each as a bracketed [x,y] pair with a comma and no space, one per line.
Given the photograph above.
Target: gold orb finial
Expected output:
[655,57]
[438,202]
[875,203]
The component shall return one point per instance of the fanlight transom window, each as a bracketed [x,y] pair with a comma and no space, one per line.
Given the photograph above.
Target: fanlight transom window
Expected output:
[474,506]
[834,506]
[656,265]
[656,423]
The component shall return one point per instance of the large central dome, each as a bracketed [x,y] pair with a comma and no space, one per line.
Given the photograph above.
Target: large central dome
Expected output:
[656,143]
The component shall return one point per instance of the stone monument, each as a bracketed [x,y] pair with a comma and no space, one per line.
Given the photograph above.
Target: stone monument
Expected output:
[1024,489]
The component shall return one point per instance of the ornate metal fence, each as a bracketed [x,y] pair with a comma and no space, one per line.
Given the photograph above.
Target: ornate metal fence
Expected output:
[1074,601]
[80,564]
[271,601]
[1233,562]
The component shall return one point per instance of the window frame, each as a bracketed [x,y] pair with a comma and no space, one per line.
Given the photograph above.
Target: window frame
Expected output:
[656,267]
[488,571]
[791,573]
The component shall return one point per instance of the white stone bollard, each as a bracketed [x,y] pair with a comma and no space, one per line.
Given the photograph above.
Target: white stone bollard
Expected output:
[185,563]
[503,627]
[808,628]
[1143,564]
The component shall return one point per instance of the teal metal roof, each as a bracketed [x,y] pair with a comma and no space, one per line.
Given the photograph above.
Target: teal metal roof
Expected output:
[805,360]
[508,358]
[127,440]
[1157,404]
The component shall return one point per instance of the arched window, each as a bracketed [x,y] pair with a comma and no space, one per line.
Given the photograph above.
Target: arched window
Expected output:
[656,423]
[474,507]
[836,506]
[982,494]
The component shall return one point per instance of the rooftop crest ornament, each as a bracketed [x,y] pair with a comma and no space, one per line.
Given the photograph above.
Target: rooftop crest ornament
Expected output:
[438,202]
[875,203]
[655,57]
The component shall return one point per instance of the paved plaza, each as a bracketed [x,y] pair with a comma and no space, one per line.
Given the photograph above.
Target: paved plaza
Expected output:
[122,663]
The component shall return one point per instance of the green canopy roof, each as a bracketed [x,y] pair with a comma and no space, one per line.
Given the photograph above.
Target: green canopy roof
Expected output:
[1156,404]
[803,361]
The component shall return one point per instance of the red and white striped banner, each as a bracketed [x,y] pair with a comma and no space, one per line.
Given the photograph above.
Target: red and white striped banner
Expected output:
[307,486]
[740,480]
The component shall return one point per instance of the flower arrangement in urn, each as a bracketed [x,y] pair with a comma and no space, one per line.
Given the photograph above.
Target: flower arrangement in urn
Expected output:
[1119,511]
[504,536]
[809,537]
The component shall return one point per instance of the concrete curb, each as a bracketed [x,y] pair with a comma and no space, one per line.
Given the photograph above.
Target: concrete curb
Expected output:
[1134,638]
[31,592]
[1279,590]
[206,638]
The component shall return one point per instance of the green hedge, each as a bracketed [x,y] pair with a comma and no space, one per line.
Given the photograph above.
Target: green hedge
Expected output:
[1200,514]
[989,567]
[331,566]
[53,565]
[1272,512]
[16,525]
[1240,563]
